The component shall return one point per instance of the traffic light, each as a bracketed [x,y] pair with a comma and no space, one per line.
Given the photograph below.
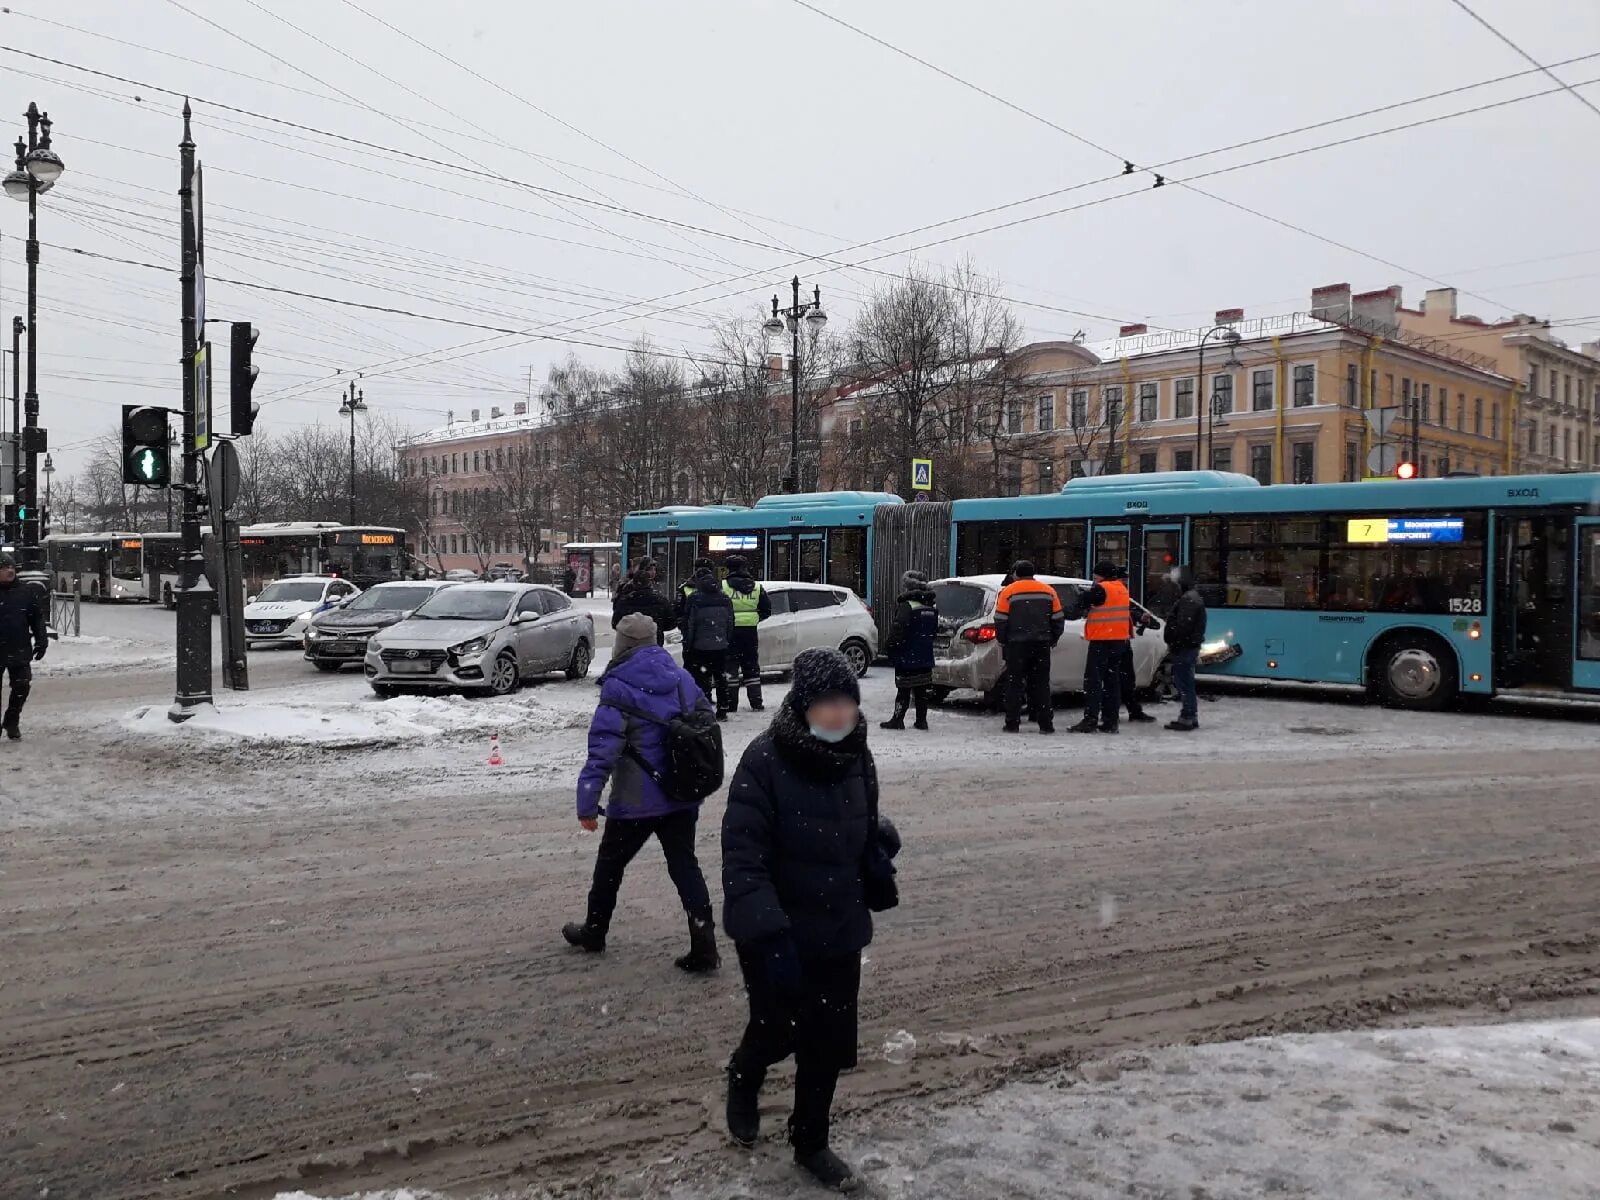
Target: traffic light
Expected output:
[242,379]
[146,456]
[1405,470]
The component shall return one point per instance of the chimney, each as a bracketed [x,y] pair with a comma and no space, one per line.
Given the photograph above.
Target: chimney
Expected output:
[1380,307]
[520,408]
[494,413]
[1133,330]
[1331,303]
[475,414]
[775,366]
[1440,300]
[1227,316]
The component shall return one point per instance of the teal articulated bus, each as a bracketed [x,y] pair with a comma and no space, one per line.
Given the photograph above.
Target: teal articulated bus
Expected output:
[1421,590]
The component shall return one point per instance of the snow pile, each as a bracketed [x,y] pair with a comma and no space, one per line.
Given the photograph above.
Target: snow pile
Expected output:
[332,722]
[95,653]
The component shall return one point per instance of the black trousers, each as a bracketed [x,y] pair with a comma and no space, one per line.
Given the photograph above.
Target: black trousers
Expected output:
[21,684]
[906,697]
[709,669]
[624,837]
[1028,673]
[744,666]
[1128,681]
[1102,684]
[819,1027]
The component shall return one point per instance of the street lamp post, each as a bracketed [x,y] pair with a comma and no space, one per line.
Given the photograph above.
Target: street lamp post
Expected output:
[17,327]
[353,402]
[1230,336]
[1218,414]
[811,313]
[38,168]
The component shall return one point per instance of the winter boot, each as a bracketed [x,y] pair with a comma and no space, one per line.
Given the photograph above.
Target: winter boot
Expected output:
[1182,726]
[828,1169]
[1084,727]
[702,954]
[589,936]
[898,721]
[754,694]
[744,1103]
[922,711]
[1140,717]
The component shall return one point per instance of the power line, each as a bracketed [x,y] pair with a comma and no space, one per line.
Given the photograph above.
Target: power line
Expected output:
[1581,99]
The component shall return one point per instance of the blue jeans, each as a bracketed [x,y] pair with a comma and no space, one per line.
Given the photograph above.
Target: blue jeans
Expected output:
[1183,664]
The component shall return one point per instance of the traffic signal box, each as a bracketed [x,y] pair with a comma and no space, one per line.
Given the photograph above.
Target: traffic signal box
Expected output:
[146,454]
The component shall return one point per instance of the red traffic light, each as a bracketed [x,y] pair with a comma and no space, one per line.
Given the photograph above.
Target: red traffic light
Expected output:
[1406,470]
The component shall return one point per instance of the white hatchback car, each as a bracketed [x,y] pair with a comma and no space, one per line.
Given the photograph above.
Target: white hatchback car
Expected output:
[806,616]
[968,655]
[282,613]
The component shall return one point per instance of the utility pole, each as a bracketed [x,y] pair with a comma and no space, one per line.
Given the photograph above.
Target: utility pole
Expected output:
[791,317]
[352,402]
[194,605]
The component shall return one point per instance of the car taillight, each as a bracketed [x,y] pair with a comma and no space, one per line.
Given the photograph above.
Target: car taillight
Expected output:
[978,634]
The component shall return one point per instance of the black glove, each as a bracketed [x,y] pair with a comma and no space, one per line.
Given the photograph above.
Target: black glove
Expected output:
[38,650]
[782,958]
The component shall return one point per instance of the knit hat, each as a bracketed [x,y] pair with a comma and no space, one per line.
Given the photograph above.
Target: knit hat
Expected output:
[913,581]
[1022,569]
[7,561]
[633,631]
[819,673]
[1106,569]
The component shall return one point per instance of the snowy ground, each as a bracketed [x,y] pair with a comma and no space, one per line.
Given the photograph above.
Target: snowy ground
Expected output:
[1455,1112]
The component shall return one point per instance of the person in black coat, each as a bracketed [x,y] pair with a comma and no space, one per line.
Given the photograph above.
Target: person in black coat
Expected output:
[910,649]
[707,632]
[1184,633]
[805,863]
[638,595]
[24,638]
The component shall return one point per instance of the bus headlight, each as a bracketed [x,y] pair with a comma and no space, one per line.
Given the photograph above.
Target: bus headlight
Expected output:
[1218,651]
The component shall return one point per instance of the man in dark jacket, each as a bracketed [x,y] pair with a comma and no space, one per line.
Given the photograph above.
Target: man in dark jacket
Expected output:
[641,689]
[751,606]
[798,839]
[707,629]
[638,595]
[1027,623]
[24,614]
[702,566]
[1184,633]
[910,648]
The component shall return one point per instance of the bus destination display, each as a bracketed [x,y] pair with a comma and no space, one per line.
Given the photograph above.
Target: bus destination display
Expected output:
[1378,530]
[732,541]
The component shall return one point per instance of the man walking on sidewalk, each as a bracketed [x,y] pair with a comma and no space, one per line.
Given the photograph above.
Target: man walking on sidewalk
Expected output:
[24,614]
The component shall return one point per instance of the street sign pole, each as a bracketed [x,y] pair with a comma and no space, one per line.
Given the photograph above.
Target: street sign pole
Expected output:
[226,565]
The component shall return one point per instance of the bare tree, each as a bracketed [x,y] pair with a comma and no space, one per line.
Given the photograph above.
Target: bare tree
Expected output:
[1101,422]
[746,441]
[523,488]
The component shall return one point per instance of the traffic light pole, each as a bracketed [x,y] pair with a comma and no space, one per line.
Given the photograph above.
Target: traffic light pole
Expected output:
[194,605]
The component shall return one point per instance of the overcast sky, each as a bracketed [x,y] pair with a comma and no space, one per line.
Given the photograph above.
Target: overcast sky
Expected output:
[792,136]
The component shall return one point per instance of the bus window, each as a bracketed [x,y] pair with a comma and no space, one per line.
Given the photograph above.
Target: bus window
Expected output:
[1162,550]
[847,559]
[1589,594]
[782,557]
[636,548]
[810,560]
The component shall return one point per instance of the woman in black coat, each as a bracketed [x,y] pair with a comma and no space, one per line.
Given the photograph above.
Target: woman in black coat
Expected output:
[805,862]
[638,595]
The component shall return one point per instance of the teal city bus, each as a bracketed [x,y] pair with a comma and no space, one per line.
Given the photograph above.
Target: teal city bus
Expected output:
[1419,590]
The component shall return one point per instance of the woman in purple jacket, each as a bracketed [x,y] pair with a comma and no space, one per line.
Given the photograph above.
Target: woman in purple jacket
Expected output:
[642,677]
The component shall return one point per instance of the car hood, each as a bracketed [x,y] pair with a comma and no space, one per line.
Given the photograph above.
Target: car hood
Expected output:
[278,609]
[361,618]
[438,633]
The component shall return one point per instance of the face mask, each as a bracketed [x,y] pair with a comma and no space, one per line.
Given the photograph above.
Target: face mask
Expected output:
[831,736]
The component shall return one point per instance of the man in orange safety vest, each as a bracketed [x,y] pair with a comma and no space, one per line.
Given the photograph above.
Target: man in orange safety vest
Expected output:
[1107,612]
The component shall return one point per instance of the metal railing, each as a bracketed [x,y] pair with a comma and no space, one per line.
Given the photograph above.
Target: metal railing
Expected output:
[66,612]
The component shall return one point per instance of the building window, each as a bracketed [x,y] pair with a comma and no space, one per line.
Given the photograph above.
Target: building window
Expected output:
[1533,437]
[1407,399]
[1427,403]
[1261,390]
[1494,420]
[1583,457]
[1304,459]
[1533,381]
[1047,478]
[1305,385]
[1461,410]
[1566,445]
[1352,385]
[1080,409]
[855,426]
[1566,389]
[1012,481]
[1261,464]
[1422,466]
[1221,458]
[1149,402]
[1352,462]
[1550,441]
[1147,462]
[1372,389]
[1183,460]
[1388,388]
[1222,393]
[1182,398]
[1111,465]
[1111,400]
[1047,413]
[1013,418]
[1075,468]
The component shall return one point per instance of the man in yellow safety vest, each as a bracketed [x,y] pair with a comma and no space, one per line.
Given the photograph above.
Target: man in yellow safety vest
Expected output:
[751,606]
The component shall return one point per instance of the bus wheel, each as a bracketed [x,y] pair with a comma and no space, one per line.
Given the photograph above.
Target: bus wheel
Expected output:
[1415,670]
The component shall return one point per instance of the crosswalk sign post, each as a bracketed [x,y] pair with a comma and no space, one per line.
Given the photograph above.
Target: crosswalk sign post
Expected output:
[922,474]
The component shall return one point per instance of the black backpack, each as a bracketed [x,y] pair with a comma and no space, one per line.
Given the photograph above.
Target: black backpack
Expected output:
[694,754]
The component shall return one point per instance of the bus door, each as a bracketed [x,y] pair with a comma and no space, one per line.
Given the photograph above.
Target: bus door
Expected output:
[661,551]
[1163,550]
[780,557]
[810,558]
[684,551]
[1533,601]
[1111,542]
[1586,642]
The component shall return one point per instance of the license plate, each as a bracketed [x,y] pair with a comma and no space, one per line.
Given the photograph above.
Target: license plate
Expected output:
[405,666]
[343,648]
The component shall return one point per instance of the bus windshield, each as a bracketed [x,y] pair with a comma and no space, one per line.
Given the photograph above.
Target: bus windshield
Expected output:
[465,604]
[277,593]
[127,558]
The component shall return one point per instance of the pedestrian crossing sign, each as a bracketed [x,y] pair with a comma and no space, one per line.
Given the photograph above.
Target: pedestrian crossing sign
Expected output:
[922,474]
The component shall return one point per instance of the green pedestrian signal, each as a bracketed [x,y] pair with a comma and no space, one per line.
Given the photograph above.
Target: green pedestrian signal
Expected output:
[146,455]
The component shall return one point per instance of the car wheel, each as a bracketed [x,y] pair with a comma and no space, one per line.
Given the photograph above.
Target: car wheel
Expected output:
[582,656]
[329,667]
[1415,671]
[503,675]
[857,654]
